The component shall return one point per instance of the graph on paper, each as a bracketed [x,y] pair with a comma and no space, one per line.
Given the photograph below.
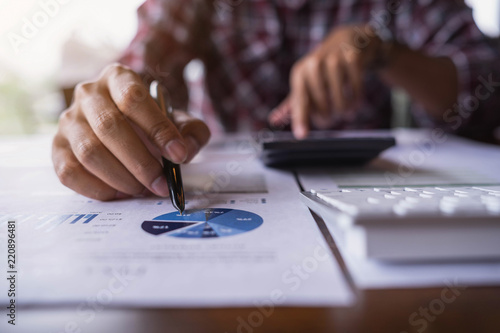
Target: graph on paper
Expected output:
[50,221]
[204,223]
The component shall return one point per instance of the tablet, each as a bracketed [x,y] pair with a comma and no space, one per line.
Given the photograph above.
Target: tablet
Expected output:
[281,149]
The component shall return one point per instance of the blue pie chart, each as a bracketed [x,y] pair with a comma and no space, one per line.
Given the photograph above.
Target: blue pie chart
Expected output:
[203,223]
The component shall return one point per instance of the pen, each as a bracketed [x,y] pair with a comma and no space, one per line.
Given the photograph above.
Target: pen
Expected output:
[171,170]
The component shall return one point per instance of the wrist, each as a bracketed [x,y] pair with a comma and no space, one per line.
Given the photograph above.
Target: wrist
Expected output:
[384,55]
[385,48]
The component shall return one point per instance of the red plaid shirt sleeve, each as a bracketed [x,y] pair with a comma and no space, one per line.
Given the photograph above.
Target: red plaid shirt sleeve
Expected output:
[446,28]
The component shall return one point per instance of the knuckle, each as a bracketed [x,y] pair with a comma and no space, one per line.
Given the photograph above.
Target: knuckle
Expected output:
[143,166]
[66,117]
[332,62]
[57,144]
[86,150]
[84,89]
[116,69]
[313,63]
[131,95]
[108,123]
[353,59]
[67,172]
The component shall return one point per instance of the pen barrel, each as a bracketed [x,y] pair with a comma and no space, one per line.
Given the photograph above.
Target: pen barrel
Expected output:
[172,172]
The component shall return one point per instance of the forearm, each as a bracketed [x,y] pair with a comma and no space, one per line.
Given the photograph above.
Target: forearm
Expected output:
[431,82]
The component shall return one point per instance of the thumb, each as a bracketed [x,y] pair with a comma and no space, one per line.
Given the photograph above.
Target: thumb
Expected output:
[194,131]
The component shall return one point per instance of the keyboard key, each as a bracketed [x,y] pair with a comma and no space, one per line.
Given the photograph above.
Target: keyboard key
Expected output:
[461,192]
[487,189]
[436,201]
[412,199]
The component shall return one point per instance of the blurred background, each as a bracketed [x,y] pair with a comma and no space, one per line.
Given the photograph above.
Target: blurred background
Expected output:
[69,41]
[49,45]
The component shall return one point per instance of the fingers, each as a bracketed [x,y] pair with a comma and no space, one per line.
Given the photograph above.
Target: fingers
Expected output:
[109,137]
[328,82]
[103,145]
[321,90]
[127,175]
[89,151]
[300,104]
[310,94]
[194,131]
[133,100]
[316,85]
[336,78]
[280,116]
[73,175]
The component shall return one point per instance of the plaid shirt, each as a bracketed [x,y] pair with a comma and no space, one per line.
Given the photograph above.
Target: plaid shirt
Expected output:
[249,46]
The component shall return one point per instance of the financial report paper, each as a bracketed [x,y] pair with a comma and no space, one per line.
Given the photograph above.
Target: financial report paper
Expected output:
[245,239]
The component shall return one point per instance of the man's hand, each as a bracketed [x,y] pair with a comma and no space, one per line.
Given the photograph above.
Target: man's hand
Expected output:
[101,147]
[327,83]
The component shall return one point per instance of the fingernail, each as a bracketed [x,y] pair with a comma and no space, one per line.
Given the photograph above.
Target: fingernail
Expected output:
[160,187]
[176,151]
[120,195]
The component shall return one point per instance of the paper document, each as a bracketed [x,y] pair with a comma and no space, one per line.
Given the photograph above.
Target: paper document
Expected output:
[244,240]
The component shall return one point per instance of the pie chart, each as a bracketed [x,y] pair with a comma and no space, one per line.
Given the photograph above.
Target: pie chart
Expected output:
[203,223]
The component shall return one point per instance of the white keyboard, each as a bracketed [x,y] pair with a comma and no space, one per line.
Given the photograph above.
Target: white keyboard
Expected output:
[412,223]
[415,201]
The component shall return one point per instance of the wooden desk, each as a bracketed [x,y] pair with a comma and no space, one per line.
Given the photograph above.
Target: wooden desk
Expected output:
[475,310]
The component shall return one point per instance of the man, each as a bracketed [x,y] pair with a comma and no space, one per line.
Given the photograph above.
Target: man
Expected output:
[318,63]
